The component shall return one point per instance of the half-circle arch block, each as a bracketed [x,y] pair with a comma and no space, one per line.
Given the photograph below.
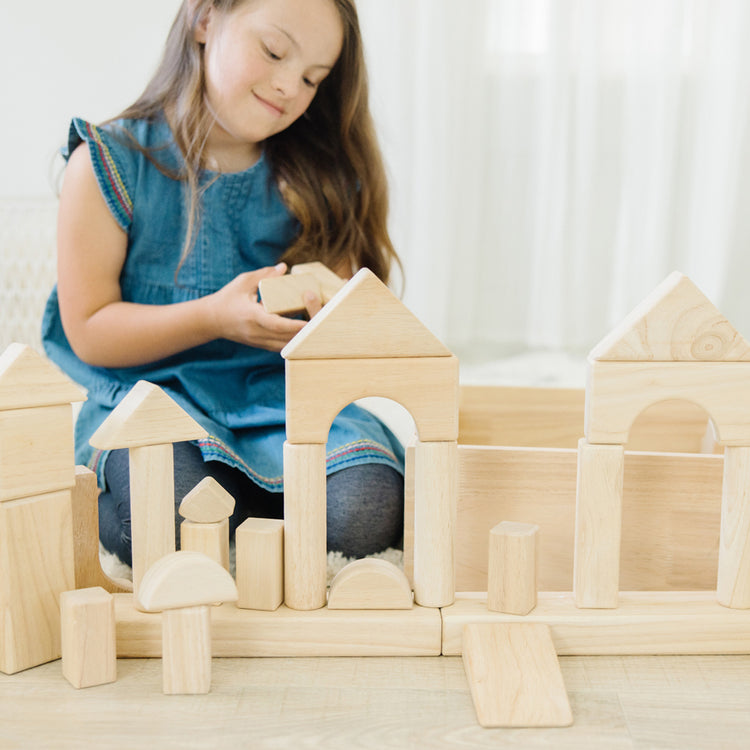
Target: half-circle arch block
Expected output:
[370,583]
[185,579]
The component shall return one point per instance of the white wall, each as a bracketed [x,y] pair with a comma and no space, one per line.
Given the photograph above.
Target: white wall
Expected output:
[86,58]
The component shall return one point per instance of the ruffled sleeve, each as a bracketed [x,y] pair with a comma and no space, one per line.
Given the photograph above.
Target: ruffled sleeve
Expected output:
[112,160]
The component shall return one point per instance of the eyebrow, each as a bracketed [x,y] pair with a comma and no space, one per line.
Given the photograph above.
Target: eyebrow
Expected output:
[296,44]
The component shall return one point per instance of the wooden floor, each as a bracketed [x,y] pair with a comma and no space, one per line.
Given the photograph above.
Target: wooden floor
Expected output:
[680,702]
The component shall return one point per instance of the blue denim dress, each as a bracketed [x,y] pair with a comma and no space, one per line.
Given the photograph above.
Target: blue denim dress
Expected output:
[235,392]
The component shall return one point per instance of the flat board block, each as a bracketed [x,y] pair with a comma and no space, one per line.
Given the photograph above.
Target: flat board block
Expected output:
[207,502]
[282,295]
[514,676]
[364,319]
[146,416]
[330,282]
[287,632]
[185,579]
[28,379]
[370,583]
[676,322]
[645,622]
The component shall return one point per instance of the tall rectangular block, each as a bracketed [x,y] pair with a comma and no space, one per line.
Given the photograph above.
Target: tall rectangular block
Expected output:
[259,543]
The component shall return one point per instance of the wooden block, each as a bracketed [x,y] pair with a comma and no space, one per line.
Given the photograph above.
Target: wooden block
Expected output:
[409,479]
[89,653]
[317,390]
[288,632]
[305,552]
[733,582]
[512,568]
[675,322]
[596,564]
[28,380]
[365,319]
[618,392]
[330,283]
[36,566]
[212,539]
[87,565]
[645,622]
[670,521]
[435,497]
[370,583]
[186,638]
[207,502]
[283,295]
[151,507]
[36,451]
[185,579]
[259,544]
[514,676]
[146,416]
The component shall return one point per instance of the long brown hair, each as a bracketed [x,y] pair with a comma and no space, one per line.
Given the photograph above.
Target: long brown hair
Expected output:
[328,163]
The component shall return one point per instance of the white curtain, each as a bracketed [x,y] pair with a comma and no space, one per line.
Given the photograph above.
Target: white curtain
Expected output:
[551,161]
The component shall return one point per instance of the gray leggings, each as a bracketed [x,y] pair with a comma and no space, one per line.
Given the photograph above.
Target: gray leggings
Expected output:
[365,503]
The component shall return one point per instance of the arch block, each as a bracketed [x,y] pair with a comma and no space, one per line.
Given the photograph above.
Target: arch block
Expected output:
[617,392]
[370,583]
[317,390]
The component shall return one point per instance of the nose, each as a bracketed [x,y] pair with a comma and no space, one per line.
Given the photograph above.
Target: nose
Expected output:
[287,83]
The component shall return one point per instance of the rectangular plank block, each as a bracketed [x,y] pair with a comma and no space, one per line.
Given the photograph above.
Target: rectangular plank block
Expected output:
[186,661]
[514,676]
[89,654]
[259,543]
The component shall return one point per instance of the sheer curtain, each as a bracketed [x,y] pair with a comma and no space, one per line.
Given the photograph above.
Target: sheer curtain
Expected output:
[551,161]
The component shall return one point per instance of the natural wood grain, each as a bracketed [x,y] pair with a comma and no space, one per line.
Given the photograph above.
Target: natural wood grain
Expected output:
[259,543]
[283,295]
[370,583]
[317,390]
[207,502]
[514,676]
[186,659]
[89,654]
[364,319]
[511,574]
[212,539]
[330,282]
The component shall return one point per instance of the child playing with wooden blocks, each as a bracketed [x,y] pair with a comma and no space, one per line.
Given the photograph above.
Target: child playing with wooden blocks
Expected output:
[251,149]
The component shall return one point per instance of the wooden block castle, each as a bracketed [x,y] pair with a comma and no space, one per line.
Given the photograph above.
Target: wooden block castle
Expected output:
[365,342]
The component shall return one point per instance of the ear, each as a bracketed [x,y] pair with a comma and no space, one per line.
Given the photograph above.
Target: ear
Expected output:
[202,21]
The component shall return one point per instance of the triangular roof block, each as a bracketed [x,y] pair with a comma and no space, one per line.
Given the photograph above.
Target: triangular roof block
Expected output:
[28,380]
[675,323]
[207,502]
[146,416]
[364,320]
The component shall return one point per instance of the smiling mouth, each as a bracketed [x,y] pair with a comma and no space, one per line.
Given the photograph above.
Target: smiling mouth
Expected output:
[272,108]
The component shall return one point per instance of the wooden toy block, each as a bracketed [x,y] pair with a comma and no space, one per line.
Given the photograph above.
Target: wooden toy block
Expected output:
[87,565]
[305,563]
[512,566]
[212,539]
[146,416]
[283,295]
[36,451]
[29,380]
[514,676]
[733,582]
[183,586]
[618,392]
[670,520]
[89,653]
[645,622]
[409,487]
[365,319]
[435,497]
[288,632]
[151,507]
[259,544]
[207,502]
[596,563]
[676,322]
[36,566]
[317,390]
[370,583]
[330,283]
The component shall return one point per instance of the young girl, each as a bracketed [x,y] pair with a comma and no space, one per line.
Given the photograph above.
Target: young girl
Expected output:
[251,149]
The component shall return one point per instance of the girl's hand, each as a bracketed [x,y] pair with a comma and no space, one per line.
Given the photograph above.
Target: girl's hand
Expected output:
[237,315]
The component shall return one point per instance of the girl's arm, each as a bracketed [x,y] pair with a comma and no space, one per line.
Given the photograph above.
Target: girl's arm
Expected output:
[107,332]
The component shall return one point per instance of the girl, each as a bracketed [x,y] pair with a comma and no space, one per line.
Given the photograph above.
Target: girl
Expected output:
[251,149]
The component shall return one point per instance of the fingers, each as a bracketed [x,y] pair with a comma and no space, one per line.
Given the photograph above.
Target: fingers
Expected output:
[313,303]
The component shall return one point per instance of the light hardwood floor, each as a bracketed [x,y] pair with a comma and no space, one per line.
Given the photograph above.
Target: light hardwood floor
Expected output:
[700,702]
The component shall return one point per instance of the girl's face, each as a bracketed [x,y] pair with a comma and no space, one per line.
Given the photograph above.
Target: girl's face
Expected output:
[263,63]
